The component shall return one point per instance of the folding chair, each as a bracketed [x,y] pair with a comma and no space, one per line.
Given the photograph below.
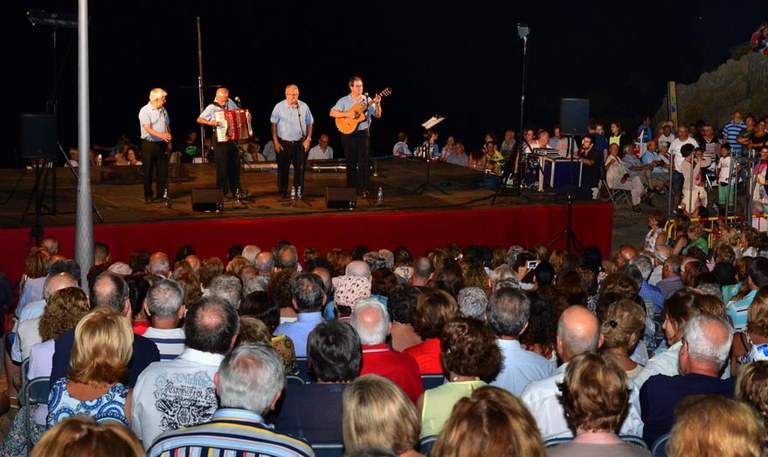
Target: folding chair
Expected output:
[659,448]
[617,195]
[301,363]
[328,449]
[426,443]
[432,380]
[35,393]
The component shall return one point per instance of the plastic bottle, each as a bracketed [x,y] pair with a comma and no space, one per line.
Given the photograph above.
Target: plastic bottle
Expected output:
[380,197]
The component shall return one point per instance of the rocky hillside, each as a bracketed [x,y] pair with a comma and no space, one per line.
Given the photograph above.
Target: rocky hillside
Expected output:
[737,84]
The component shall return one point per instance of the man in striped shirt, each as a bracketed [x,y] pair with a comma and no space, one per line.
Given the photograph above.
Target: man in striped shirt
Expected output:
[731,133]
[249,383]
[165,307]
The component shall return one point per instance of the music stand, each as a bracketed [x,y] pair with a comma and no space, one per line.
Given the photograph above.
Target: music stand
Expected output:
[570,237]
[431,122]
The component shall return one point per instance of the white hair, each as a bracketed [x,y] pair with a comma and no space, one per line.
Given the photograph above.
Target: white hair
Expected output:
[375,332]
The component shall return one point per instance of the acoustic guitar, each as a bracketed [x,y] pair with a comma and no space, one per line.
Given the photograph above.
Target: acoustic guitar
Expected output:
[347,125]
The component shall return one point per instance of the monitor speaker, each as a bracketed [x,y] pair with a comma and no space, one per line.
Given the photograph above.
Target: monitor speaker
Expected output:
[574,116]
[340,197]
[207,200]
[38,136]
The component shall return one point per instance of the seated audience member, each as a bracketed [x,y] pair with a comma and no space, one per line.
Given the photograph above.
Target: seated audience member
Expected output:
[112,291]
[490,422]
[473,302]
[165,307]
[248,383]
[226,287]
[704,353]
[259,305]
[738,306]
[508,317]
[98,368]
[751,343]
[83,435]
[713,425]
[180,392]
[348,290]
[678,310]
[622,327]
[307,298]
[434,309]
[578,332]
[595,400]
[64,310]
[313,411]
[378,414]
[541,333]
[371,321]
[752,387]
[471,360]
[401,305]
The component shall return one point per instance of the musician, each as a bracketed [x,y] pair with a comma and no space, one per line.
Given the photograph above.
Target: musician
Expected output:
[591,162]
[291,124]
[357,144]
[155,141]
[226,154]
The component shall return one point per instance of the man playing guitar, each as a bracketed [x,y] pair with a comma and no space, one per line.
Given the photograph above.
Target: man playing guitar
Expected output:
[356,144]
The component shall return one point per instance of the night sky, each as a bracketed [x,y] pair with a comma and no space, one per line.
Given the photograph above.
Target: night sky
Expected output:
[464,62]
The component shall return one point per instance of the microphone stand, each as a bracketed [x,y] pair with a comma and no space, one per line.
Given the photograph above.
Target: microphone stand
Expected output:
[570,237]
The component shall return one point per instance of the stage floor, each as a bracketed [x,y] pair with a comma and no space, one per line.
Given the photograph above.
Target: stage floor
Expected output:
[117,194]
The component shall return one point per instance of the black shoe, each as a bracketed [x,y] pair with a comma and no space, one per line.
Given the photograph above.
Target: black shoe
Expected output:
[148,199]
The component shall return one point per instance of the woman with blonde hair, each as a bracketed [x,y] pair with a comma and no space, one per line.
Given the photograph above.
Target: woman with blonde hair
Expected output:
[747,341]
[377,413]
[622,328]
[595,398]
[83,436]
[492,422]
[713,425]
[98,367]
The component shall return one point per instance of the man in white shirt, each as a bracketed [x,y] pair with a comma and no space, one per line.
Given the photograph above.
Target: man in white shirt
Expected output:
[180,392]
[322,150]
[507,315]
[677,160]
[165,307]
[578,332]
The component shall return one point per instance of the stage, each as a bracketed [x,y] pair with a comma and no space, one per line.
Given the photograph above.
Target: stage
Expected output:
[452,204]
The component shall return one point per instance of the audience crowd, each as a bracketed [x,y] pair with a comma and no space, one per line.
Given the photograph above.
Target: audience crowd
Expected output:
[458,351]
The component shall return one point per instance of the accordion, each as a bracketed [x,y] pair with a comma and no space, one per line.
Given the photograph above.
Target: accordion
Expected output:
[234,125]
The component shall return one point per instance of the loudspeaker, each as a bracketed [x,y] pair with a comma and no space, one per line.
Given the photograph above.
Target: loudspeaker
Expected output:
[207,200]
[38,136]
[340,197]
[574,116]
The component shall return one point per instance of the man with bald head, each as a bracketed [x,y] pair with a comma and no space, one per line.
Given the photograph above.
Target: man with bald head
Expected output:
[159,265]
[358,268]
[193,261]
[578,332]
[625,253]
[225,153]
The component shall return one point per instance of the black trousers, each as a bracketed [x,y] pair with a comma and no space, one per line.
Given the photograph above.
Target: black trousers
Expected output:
[227,158]
[292,153]
[357,153]
[155,160]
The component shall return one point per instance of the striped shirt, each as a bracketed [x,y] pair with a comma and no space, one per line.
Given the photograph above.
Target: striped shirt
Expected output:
[731,133]
[738,310]
[230,433]
[170,342]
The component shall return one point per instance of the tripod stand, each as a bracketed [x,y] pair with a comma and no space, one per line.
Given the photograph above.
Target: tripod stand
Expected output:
[427,182]
[570,237]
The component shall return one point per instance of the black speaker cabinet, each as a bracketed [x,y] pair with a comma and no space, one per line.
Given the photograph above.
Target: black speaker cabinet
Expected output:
[574,116]
[208,200]
[38,136]
[340,197]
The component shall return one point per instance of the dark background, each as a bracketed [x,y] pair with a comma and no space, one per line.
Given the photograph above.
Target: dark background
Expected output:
[464,62]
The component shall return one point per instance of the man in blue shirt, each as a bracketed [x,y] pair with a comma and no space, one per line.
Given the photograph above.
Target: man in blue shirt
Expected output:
[291,125]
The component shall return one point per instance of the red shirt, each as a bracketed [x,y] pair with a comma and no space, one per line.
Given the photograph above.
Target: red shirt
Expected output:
[428,356]
[396,366]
